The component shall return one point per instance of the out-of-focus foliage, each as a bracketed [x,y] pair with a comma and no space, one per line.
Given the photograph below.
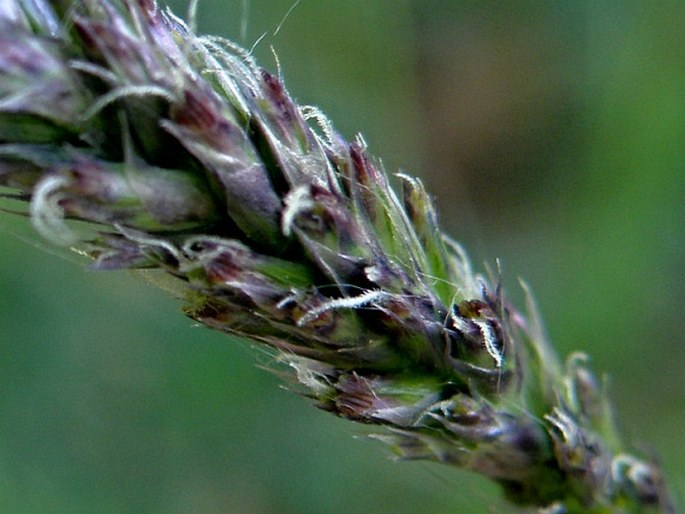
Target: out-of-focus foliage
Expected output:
[552,136]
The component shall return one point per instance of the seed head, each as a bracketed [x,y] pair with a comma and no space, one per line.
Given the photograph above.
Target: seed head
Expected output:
[185,157]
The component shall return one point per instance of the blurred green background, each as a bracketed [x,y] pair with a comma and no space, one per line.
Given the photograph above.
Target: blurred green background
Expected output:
[552,135]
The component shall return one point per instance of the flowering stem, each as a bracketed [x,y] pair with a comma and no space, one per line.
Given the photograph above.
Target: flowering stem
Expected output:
[184,157]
